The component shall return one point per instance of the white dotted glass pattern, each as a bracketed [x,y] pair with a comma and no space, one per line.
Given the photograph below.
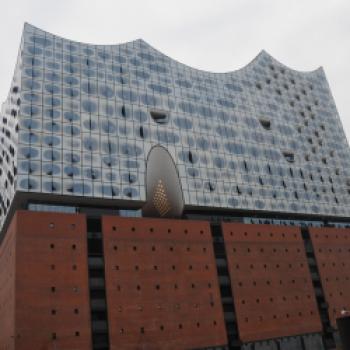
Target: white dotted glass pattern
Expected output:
[81,119]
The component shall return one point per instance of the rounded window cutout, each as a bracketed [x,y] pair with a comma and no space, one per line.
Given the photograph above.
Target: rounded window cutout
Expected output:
[164,196]
[160,117]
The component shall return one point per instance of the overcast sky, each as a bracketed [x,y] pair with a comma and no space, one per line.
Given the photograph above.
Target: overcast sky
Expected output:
[216,35]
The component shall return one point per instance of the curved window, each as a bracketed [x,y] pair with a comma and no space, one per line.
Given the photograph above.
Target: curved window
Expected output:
[159,117]
[187,107]
[71,80]
[33,73]
[192,172]
[119,59]
[30,124]
[131,150]
[219,162]
[134,61]
[205,111]
[71,171]
[289,156]
[31,97]
[71,92]
[52,89]
[141,74]
[188,157]
[51,140]
[266,124]
[28,184]
[41,41]
[116,68]
[71,116]
[29,137]
[149,100]
[32,85]
[29,167]
[52,101]
[90,124]
[210,186]
[132,164]
[89,87]
[29,152]
[233,87]
[146,56]
[89,106]
[108,127]
[92,173]
[51,186]
[235,148]
[109,147]
[139,115]
[226,131]
[51,169]
[202,143]
[52,113]
[164,90]
[157,68]
[79,188]
[226,103]
[88,51]
[53,65]
[71,130]
[90,144]
[130,192]
[31,110]
[109,160]
[106,91]
[52,76]
[109,190]
[183,123]
[104,55]
[128,95]
[34,50]
[32,61]
[130,178]
[72,158]
[167,137]
[183,83]
[89,72]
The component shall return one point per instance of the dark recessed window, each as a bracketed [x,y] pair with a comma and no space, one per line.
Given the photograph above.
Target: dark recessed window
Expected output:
[159,117]
[289,157]
[266,124]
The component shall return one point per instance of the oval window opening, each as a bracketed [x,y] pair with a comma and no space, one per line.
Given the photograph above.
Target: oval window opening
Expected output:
[159,117]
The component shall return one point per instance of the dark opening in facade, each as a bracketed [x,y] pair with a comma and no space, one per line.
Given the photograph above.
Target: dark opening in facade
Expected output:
[266,124]
[289,156]
[159,117]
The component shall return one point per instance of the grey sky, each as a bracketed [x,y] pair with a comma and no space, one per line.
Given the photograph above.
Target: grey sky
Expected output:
[220,35]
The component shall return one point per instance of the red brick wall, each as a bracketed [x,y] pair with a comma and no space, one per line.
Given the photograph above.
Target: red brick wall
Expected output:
[271,283]
[162,286]
[332,252]
[52,295]
[7,289]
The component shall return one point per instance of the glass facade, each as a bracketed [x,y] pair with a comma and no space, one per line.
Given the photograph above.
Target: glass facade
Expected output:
[81,119]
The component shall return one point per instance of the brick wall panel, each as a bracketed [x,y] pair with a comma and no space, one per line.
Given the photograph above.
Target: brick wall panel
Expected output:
[52,252]
[143,253]
[332,252]
[7,288]
[271,282]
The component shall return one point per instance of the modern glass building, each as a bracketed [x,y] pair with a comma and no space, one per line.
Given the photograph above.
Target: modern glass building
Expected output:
[254,161]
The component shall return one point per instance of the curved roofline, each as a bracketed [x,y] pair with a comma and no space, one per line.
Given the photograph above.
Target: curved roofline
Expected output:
[250,63]
[292,69]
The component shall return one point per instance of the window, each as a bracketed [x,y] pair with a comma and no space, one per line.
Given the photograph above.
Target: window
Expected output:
[266,124]
[159,117]
[289,157]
